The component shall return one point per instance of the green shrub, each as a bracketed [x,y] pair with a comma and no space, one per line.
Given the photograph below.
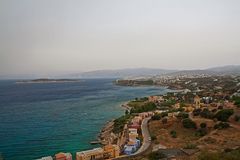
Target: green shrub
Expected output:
[156,117]
[188,123]
[153,137]
[203,125]
[201,132]
[183,115]
[196,112]
[221,125]
[120,122]
[236,101]
[164,114]
[206,113]
[173,134]
[224,114]
[150,106]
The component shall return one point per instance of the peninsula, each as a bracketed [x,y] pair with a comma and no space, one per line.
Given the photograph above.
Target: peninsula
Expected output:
[46,80]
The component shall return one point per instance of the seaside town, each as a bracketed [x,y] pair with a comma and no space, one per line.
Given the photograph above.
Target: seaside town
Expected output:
[199,119]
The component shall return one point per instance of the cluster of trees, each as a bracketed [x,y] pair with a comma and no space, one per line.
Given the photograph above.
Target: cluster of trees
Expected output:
[183,115]
[169,102]
[120,122]
[205,113]
[150,106]
[188,123]
[221,115]
[202,131]
[236,101]
[159,116]
[221,125]
[224,114]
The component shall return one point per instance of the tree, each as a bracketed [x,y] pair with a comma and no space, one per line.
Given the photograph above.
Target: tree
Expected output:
[183,115]
[203,125]
[156,117]
[206,113]
[201,132]
[221,125]
[196,112]
[224,114]
[173,134]
[188,123]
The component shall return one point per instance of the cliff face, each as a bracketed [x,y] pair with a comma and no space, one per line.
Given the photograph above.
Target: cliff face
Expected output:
[107,136]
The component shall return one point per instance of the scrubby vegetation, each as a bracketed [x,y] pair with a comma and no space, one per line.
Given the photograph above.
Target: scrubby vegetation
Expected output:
[120,122]
[206,113]
[173,134]
[156,117]
[168,103]
[183,115]
[221,125]
[224,114]
[203,125]
[188,123]
[236,101]
[150,106]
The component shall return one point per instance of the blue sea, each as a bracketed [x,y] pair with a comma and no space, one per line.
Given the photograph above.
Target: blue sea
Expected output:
[39,120]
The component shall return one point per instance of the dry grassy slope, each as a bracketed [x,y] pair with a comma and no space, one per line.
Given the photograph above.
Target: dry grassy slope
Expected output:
[214,140]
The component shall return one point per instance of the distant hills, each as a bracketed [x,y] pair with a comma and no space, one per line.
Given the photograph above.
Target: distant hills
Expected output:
[133,73]
[119,73]
[232,69]
[146,72]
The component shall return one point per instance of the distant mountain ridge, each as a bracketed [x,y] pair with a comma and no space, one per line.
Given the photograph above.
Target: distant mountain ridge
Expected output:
[145,72]
[133,72]
[119,73]
[231,69]
[223,70]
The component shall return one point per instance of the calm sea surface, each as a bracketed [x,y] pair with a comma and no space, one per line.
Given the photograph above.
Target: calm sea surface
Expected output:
[42,119]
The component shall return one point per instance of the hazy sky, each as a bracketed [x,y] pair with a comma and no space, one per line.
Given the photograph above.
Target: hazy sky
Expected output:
[63,36]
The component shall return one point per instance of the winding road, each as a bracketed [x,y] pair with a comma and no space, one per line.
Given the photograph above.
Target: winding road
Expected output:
[146,137]
[146,141]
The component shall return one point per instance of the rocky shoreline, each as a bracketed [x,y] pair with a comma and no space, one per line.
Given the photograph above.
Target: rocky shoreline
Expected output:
[106,135]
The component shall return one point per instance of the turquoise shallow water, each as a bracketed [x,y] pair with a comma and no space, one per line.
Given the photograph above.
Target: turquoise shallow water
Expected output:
[42,119]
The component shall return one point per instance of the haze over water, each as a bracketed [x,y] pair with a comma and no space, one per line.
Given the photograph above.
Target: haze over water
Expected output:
[43,119]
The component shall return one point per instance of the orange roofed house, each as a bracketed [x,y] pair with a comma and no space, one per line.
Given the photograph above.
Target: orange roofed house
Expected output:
[63,156]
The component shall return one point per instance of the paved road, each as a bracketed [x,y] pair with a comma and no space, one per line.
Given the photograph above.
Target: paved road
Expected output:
[146,135]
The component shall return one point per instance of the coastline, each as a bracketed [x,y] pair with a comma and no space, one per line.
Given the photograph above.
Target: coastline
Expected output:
[106,135]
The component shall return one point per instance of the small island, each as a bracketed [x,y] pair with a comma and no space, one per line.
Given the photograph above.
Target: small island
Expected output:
[46,80]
